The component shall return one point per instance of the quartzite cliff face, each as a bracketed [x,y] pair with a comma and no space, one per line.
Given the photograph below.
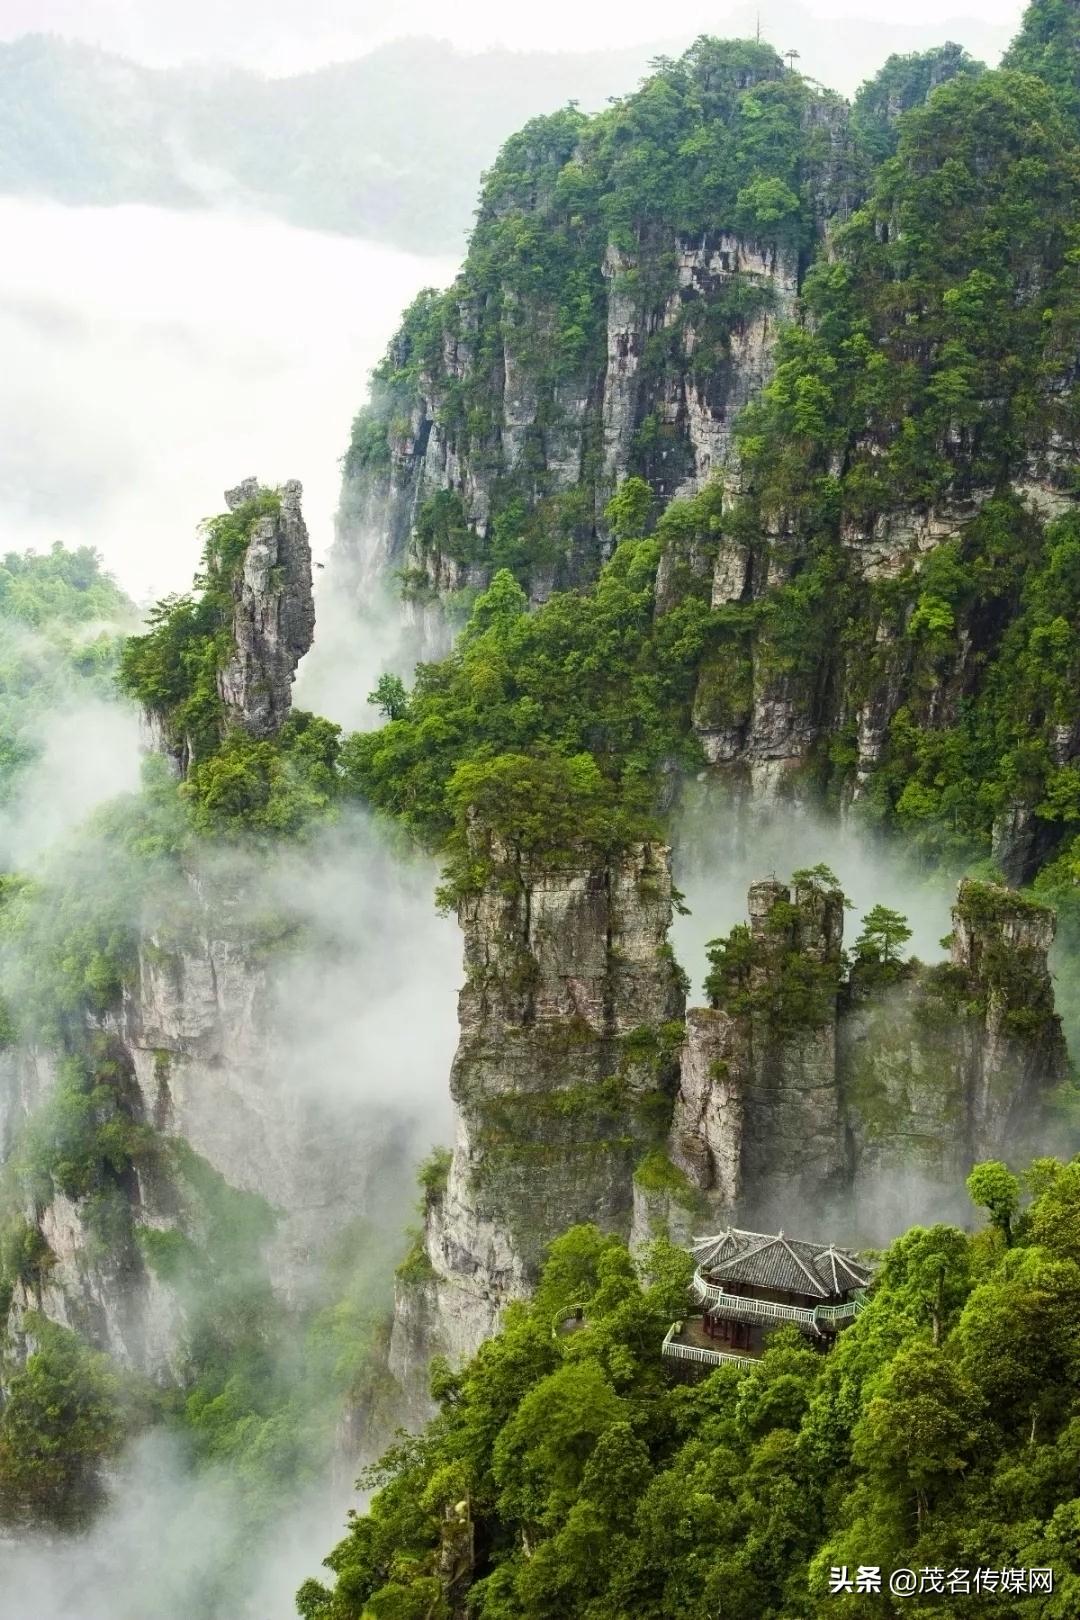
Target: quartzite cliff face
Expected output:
[494,440]
[549,436]
[565,1024]
[274,614]
[200,1047]
[800,1092]
[497,430]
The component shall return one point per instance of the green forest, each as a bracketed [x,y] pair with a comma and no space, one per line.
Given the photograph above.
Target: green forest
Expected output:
[932,365]
[904,520]
[567,1474]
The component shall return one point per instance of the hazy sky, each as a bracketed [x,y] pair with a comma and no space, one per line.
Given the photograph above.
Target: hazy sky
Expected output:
[152,359]
[279,35]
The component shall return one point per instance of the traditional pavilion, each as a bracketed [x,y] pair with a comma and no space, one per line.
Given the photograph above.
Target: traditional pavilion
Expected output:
[748,1282]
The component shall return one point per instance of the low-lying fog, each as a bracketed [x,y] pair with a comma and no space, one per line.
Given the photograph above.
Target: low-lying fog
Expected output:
[152,358]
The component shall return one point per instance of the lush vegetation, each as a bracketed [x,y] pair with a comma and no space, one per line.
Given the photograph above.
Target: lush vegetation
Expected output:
[568,1474]
[903,83]
[932,369]
[934,363]
[1048,45]
[551,725]
[942,329]
[263,1386]
[61,619]
[723,139]
[787,970]
[65,1414]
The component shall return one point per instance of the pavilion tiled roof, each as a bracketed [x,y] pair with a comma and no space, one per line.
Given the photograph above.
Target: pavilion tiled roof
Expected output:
[771,1260]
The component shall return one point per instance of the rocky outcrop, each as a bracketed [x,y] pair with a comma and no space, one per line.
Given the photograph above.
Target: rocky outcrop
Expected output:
[97,1284]
[508,409]
[257,609]
[1013,1047]
[212,1030]
[804,1093]
[697,397]
[768,710]
[569,995]
[799,1092]
[671,423]
[210,1053]
[757,1122]
[274,613]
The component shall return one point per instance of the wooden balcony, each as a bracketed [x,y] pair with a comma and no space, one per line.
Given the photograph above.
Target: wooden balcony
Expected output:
[686,1341]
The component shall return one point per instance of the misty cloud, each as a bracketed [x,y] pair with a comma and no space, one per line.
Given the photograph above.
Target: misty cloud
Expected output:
[722,844]
[283,36]
[88,753]
[172,1545]
[152,358]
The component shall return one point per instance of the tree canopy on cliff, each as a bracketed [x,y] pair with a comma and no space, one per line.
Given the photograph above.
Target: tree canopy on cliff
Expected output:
[720,140]
[590,678]
[567,1475]
[1048,45]
[928,380]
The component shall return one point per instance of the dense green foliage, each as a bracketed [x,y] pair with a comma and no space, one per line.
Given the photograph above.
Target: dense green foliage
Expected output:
[933,363]
[941,1432]
[723,139]
[61,586]
[933,367]
[61,617]
[1048,45]
[64,1415]
[777,971]
[552,724]
[903,83]
[943,324]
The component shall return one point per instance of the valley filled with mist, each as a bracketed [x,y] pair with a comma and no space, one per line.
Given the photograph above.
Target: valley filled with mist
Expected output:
[534,730]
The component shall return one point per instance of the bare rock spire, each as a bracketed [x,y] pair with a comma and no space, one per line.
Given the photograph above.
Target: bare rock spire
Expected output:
[274,613]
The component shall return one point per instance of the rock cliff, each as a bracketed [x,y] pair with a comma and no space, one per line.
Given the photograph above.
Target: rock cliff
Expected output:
[801,1091]
[231,664]
[508,410]
[805,1091]
[273,621]
[564,1056]
[210,1064]
[197,1044]
[869,536]
[758,1120]
[767,713]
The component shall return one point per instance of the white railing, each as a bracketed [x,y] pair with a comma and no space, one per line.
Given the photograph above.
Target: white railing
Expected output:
[743,1305]
[562,1319]
[694,1352]
[848,1311]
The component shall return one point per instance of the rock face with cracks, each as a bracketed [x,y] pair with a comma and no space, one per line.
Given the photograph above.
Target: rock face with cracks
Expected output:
[803,1094]
[273,621]
[841,1102]
[570,990]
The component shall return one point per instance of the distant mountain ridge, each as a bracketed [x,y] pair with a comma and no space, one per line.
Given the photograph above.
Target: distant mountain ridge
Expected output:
[390,146]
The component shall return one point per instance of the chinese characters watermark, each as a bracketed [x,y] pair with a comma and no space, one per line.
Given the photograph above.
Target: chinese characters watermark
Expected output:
[910,1582]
